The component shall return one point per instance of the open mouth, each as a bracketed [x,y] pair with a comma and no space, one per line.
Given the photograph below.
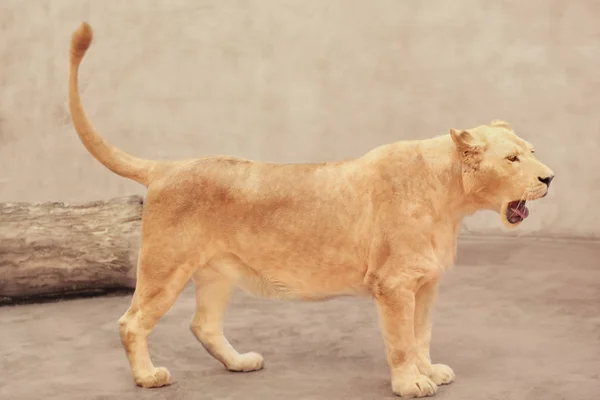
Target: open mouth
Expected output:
[516,211]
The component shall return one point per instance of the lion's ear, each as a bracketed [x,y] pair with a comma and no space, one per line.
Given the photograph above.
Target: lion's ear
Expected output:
[465,142]
[469,148]
[501,124]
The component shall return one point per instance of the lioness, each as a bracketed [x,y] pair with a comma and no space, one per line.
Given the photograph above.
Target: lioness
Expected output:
[383,225]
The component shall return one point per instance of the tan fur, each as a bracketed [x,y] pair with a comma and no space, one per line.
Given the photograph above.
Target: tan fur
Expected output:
[383,225]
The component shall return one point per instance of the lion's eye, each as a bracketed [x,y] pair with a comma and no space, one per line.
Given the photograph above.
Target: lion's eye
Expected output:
[512,158]
[532,151]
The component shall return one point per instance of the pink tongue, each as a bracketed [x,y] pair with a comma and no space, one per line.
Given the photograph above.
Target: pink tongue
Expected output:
[522,212]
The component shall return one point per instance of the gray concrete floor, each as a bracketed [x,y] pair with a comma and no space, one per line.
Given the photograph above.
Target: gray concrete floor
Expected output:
[516,319]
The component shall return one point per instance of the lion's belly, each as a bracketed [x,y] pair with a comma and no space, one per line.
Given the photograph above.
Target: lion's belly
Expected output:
[286,270]
[290,287]
[308,254]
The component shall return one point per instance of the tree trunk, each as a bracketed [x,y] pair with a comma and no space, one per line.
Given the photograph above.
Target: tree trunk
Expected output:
[56,249]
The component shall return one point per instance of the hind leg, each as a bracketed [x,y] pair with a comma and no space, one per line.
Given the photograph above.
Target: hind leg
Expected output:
[213,292]
[159,283]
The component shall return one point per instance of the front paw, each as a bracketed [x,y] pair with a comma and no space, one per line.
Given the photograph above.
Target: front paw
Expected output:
[414,386]
[441,374]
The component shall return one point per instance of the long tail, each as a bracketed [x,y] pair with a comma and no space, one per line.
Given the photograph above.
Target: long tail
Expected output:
[112,158]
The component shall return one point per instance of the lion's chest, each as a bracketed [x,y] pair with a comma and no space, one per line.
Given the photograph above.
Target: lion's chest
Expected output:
[443,242]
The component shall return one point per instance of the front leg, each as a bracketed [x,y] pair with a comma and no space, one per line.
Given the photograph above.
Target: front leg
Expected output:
[396,308]
[439,373]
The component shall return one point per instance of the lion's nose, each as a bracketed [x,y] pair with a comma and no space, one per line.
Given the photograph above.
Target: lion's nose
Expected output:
[546,180]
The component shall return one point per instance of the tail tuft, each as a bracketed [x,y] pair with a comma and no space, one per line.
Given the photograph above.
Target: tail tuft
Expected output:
[80,41]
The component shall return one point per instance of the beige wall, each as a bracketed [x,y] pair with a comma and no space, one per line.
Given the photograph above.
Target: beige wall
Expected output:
[296,81]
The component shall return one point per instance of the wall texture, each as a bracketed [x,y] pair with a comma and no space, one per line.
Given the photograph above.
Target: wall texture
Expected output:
[296,81]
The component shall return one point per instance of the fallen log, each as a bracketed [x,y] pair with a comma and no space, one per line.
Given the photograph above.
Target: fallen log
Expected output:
[58,250]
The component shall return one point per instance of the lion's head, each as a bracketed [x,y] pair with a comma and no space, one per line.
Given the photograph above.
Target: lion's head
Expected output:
[500,171]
